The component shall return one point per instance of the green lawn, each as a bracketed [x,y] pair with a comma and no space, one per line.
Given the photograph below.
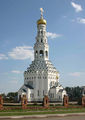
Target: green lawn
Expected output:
[41,111]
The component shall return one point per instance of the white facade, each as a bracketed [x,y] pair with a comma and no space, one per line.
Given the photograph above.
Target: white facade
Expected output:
[57,93]
[41,77]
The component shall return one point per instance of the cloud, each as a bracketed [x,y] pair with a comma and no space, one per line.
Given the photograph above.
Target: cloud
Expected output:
[13,81]
[77,74]
[53,35]
[3,57]
[77,7]
[16,71]
[64,16]
[21,53]
[81,20]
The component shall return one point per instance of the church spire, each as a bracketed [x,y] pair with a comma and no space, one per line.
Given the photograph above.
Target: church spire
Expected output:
[41,48]
[41,9]
[41,20]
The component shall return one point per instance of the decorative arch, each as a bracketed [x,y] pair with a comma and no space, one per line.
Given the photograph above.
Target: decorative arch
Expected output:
[41,53]
[46,53]
[41,32]
[36,53]
[41,40]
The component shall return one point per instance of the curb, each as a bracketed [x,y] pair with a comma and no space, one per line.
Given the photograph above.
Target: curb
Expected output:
[41,116]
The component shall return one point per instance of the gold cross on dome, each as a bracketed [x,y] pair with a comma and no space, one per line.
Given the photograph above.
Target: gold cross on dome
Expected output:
[41,9]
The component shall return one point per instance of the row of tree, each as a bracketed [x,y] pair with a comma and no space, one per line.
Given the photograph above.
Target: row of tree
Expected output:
[10,97]
[74,94]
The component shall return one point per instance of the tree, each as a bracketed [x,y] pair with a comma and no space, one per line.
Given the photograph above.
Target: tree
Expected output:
[74,93]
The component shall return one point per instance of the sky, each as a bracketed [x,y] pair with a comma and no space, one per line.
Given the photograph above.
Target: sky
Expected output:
[66,39]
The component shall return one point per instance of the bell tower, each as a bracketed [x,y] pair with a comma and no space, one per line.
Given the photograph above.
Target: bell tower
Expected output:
[41,48]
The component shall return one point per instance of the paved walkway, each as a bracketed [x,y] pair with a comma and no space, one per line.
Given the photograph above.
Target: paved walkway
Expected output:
[45,116]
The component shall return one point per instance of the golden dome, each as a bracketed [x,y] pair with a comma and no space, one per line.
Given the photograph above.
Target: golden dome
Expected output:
[41,21]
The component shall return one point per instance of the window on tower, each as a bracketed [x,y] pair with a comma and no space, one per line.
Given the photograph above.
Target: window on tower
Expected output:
[41,53]
[41,32]
[41,40]
[36,53]
[46,52]
[38,92]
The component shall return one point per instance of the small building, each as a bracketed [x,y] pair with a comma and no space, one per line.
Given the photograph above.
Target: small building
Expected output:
[57,93]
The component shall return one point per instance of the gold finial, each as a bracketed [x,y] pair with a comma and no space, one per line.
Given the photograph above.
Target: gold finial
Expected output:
[41,9]
[41,20]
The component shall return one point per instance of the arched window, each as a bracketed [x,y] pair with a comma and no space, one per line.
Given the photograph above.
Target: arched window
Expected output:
[41,40]
[36,53]
[38,92]
[46,52]
[41,32]
[43,92]
[37,40]
[41,53]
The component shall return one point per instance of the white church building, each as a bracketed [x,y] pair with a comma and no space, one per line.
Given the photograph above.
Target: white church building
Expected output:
[41,77]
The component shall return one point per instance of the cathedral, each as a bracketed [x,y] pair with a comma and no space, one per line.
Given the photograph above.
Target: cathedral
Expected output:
[41,77]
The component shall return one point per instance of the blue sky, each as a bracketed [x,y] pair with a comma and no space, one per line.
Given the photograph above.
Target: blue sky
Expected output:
[66,38]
